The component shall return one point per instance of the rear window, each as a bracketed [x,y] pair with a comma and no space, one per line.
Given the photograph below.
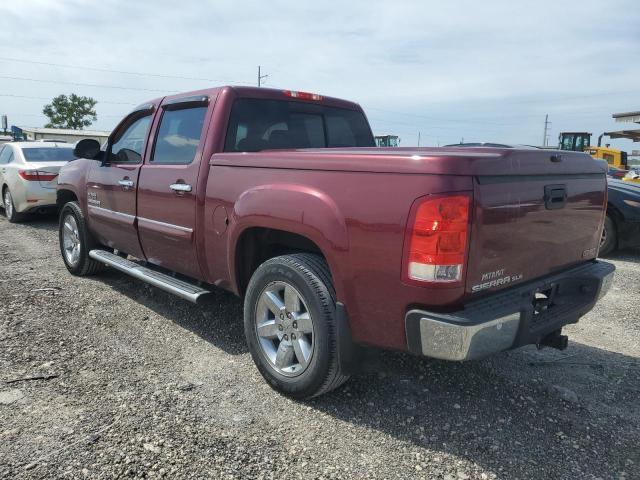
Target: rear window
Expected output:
[48,154]
[258,124]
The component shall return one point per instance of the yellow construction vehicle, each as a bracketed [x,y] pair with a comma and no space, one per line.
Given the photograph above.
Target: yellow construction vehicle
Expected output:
[387,141]
[581,142]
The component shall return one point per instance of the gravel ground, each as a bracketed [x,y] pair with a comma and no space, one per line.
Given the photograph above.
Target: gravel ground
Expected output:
[136,383]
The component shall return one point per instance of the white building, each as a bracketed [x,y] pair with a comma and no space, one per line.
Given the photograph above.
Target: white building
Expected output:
[60,134]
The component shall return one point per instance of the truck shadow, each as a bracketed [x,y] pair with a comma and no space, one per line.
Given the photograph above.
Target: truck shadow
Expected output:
[520,414]
[217,322]
[40,221]
[506,414]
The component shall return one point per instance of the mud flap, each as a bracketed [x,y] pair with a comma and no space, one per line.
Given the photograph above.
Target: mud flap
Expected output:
[349,354]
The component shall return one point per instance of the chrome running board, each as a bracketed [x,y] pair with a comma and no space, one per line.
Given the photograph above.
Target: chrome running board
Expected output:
[157,279]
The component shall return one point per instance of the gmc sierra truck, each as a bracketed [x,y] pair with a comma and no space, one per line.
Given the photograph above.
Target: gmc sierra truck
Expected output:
[282,198]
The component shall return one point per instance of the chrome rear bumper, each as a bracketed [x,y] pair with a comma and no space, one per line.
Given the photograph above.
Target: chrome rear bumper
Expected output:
[510,318]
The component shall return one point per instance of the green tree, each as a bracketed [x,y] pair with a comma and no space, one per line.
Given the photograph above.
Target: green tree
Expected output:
[74,112]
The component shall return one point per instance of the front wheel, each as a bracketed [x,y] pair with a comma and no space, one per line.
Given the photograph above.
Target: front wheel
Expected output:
[76,241]
[290,325]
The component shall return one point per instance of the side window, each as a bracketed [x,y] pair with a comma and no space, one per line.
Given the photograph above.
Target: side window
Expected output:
[179,135]
[5,155]
[129,144]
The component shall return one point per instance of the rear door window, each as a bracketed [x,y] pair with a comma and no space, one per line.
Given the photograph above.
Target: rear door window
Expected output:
[258,124]
[179,136]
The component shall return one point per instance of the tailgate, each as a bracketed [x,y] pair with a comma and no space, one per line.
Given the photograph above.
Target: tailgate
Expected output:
[542,216]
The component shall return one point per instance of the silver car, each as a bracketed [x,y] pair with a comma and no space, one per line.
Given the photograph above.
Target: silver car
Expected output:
[29,174]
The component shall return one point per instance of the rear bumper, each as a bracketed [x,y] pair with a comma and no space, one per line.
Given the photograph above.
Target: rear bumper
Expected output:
[509,319]
[31,195]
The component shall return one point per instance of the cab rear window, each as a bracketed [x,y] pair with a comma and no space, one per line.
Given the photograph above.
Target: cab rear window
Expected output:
[258,124]
[48,154]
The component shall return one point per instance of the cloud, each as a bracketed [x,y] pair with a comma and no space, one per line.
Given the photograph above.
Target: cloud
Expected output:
[482,70]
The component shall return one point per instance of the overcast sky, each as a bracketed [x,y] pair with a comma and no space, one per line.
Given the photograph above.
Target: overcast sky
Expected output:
[483,70]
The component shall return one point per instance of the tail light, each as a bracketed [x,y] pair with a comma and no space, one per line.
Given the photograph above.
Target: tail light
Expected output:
[36,175]
[302,95]
[436,239]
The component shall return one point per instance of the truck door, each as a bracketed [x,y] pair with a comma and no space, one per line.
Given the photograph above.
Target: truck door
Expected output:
[111,184]
[168,186]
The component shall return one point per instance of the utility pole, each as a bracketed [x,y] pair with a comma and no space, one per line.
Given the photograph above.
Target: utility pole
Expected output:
[547,124]
[418,138]
[260,77]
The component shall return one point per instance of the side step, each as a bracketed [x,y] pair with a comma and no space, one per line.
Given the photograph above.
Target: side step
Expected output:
[157,279]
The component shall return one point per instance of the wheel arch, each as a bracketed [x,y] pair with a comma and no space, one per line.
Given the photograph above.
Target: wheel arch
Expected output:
[271,220]
[256,245]
[65,195]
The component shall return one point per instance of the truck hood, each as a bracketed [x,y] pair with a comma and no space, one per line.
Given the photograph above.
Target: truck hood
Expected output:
[437,161]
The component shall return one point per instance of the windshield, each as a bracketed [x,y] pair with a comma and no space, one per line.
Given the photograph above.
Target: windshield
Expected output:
[258,124]
[48,154]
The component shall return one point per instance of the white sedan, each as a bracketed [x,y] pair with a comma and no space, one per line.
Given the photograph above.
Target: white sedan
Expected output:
[28,175]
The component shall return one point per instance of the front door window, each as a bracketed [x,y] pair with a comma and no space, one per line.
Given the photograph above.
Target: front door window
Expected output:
[129,145]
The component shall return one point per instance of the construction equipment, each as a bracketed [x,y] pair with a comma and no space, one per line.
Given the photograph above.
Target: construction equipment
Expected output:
[581,142]
[387,140]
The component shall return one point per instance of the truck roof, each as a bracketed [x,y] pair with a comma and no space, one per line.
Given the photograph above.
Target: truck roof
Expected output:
[266,93]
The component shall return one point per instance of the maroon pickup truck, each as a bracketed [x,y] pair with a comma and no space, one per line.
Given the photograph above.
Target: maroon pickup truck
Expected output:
[281,198]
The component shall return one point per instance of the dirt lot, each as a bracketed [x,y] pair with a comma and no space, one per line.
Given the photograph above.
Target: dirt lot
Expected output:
[146,385]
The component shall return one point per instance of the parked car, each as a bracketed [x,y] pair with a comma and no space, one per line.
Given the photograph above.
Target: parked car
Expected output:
[28,176]
[616,173]
[440,252]
[622,223]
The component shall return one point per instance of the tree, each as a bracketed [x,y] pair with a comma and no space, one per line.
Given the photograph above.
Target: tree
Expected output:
[74,112]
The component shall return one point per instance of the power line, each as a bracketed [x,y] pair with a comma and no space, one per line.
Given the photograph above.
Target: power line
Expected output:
[430,127]
[125,72]
[49,99]
[78,84]
[436,119]
[43,115]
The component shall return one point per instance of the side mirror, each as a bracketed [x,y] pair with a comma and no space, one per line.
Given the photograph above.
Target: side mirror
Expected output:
[87,148]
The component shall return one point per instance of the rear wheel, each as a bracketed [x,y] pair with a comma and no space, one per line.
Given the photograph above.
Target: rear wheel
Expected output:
[609,239]
[76,242]
[290,325]
[9,207]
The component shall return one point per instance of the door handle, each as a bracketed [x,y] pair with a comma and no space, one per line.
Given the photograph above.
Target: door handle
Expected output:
[125,183]
[180,187]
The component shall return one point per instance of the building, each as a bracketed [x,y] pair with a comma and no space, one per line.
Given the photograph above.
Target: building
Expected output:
[626,117]
[59,134]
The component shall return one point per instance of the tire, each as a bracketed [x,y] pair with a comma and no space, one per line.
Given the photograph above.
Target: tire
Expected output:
[308,277]
[79,263]
[9,207]
[609,240]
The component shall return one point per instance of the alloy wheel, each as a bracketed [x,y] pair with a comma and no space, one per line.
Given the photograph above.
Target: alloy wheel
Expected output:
[284,328]
[8,204]
[71,240]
